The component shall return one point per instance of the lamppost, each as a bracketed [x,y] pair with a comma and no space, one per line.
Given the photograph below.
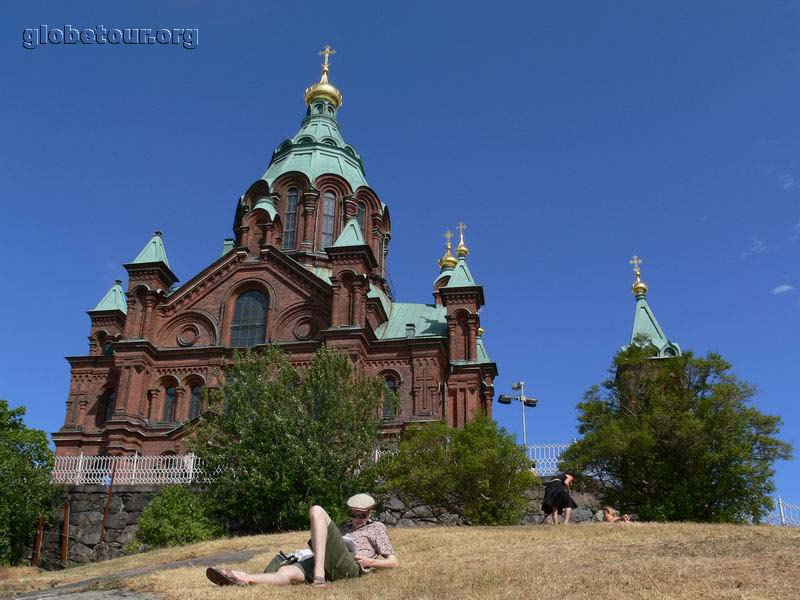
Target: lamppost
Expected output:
[523,402]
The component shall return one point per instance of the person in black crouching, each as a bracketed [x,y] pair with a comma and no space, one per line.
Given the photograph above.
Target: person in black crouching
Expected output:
[557,500]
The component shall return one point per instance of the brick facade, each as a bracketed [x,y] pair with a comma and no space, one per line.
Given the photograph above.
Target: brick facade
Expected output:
[173,339]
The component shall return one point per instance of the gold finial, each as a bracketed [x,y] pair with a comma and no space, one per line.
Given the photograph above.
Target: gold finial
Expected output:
[639,287]
[324,89]
[326,67]
[481,330]
[448,260]
[462,249]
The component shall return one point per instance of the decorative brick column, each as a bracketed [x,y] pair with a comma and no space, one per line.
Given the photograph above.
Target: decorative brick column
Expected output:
[309,208]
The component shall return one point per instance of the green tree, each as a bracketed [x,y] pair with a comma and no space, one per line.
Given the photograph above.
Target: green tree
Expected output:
[677,439]
[26,490]
[177,516]
[478,472]
[282,440]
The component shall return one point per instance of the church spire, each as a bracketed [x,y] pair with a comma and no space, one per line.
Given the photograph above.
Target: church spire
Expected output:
[324,90]
[462,249]
[448,261]
[644,321]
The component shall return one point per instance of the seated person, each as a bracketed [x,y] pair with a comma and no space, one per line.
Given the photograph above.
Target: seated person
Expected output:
[331,559]
[611,515]
[557,500]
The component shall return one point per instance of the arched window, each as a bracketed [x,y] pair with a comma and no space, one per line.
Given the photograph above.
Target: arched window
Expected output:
[168,415]
[328,214]
[291,220]
[361,215]
[249,320]
[196,401]
[390,399]
[107,407]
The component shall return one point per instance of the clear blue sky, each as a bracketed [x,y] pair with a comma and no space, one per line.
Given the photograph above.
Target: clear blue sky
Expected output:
[568,136]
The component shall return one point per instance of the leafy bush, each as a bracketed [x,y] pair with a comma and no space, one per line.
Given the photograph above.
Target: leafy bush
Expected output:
[175,517]
[478,472]
[281,440]
[26,490]
[676,439]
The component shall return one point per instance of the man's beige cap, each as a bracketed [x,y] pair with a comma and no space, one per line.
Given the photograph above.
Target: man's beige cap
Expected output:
[361,502]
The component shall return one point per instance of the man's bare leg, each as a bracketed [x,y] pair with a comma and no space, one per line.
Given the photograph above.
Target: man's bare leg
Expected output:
[319,537]
[284,576]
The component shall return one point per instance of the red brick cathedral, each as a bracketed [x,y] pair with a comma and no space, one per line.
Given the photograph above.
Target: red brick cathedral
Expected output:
[307,266]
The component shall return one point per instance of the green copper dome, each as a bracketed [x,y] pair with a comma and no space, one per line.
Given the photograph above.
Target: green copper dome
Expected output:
[318,149]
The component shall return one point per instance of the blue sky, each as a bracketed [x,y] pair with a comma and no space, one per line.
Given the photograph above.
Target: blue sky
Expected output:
[568,136]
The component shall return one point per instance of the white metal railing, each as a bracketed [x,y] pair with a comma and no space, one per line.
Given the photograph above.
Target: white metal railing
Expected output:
[546,457]
[784,514]
[127,470]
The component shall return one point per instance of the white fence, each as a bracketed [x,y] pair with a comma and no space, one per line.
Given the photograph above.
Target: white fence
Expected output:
[546,457]
[97,470]
[784,514]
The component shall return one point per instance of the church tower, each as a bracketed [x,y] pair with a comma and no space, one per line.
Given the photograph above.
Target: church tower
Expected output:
[306,266]
[645,324]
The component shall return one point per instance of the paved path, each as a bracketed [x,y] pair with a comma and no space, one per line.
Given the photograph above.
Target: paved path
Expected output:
[72,591]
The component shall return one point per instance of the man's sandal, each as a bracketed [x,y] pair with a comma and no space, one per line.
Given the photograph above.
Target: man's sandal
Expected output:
[320,582]
[223,577]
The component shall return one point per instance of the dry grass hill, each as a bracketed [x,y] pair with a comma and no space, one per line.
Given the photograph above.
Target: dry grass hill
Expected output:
[576,562]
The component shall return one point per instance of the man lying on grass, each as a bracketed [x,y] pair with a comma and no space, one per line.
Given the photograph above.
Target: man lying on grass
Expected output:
[331,558]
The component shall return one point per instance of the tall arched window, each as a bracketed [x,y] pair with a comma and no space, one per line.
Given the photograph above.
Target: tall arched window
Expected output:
[390,399]
[328,214]
[196,401]
[107,407]
[249,320]
[168,415]
[291,220]
[361,215]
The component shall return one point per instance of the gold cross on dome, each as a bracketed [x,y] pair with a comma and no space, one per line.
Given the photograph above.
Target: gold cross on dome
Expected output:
[461,228]
[635,261]
[448,235]
[327,52]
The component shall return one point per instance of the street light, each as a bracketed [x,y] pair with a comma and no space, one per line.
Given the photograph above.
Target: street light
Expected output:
[523,402]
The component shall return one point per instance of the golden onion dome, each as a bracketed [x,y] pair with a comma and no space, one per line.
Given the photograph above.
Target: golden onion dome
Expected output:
[462,251]
[448,261]
[324,89]
[639,287]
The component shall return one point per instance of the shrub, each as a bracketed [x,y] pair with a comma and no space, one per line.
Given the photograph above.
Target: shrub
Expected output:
[175,517]
[478,472]
[280,440]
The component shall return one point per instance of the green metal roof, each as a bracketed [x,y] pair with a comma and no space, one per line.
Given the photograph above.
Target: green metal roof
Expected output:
[376,292]
[153,251]
[483,356]
[113,300]
[268,205]
[645,323]
[318,149]
[428,320]
[461,276]
[351,235]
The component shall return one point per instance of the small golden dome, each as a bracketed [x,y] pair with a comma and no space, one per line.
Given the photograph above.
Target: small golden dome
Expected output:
[324,89]
[462,249]
[448,261]
[480,331]
[639,287]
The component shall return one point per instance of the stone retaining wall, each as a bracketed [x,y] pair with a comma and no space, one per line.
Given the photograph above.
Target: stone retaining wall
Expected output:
[398,513]
[86,521]
[129,501]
